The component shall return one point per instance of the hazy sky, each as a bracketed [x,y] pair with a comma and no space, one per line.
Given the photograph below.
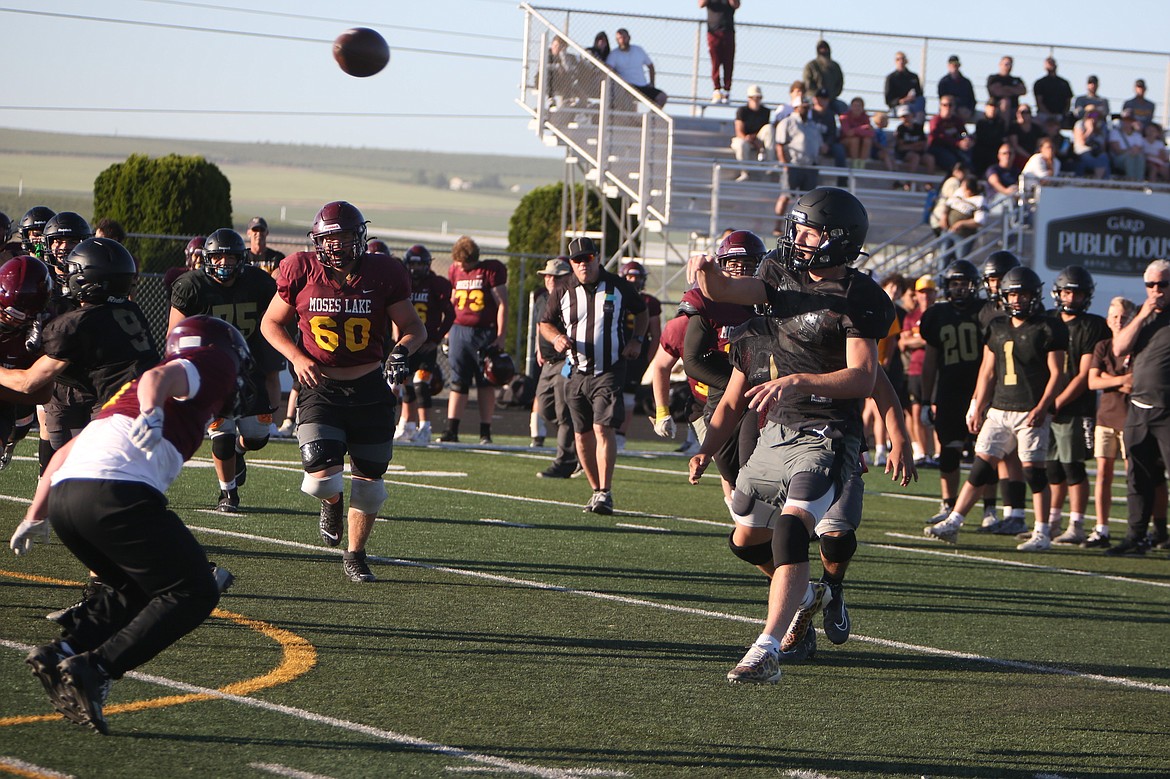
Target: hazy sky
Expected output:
[178,69]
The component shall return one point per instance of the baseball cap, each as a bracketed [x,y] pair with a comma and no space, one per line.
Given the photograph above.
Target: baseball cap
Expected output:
[923,283]
[902,110]
[954,60]
[557,266]
[755,91]
[578,247]
[258,223]
[1141,82]
[822,92]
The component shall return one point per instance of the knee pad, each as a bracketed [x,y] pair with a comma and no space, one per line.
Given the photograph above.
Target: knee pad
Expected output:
[756,554]
[408,393]
[223,447]
[367,495]
[1055,472]
[252,444]
[1076,473]
[45,453]
[982,473]
[948,459]
[459,386]
[1037,478]
[321,455]
[422,390]
[370,469]
[323,488]
[839,549]
[789,540]
[748,511]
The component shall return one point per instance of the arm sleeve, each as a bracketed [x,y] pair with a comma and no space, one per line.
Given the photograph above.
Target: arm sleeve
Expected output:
[701,359]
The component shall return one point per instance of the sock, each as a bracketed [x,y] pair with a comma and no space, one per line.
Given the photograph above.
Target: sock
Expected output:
[990,504]
[1102,530]
[880,449]
[485,430]
[832,581]
[227,485]
[1076,518]
[956,515]
[948,504]
[409,427]
[453,426]
[808,597]
[769,641]
[1054,517]
[1040,528]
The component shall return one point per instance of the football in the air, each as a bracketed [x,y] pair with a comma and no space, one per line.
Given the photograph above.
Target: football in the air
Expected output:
[361,51]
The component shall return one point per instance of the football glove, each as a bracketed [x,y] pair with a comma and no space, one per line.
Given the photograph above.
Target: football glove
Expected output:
[663,423]
[397,366]
[26,532]
[146,429]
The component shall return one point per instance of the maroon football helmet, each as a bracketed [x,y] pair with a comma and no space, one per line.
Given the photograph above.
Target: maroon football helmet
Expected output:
[203,331]
[498,367]
[25,286]
[418,261]
[333,219]
[377,246]
[638,271]
[740,253]
[193,254]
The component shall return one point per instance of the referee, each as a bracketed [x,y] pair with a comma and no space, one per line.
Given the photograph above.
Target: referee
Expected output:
[584,318]
[1146,340]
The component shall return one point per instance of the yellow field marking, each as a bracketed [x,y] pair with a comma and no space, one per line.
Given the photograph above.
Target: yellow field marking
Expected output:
[298,657]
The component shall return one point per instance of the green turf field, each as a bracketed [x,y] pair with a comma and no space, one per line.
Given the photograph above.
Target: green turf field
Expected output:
[510,634]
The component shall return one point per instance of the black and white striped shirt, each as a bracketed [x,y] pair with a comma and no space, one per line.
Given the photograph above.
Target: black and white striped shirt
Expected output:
[591,315]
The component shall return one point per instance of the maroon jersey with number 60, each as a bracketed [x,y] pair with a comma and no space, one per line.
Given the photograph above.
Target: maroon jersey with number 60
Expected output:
[342,323]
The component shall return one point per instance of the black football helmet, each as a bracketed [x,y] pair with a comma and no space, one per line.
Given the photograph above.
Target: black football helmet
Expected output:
[193,253]
[6,228]
[100,270]
[997,264]
[62,233]
[202,332]
[377,246]
[219,250]
[333,219]
[498,367]
[25,287]
[842,220]
[418,261]
[32,225]
[1078,279]
[740,253]
[638,271]
[960,283]
[1027,286]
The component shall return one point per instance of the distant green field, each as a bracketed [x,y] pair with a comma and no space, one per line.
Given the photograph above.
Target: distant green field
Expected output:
[512,634]
[59,170]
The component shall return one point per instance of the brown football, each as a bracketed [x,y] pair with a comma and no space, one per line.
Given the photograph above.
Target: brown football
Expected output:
[361,51]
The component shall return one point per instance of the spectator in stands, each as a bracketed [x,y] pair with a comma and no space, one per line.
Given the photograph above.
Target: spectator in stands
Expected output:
[799,142]
[965,213]
[882,146]
[822,72]
[856,133]
[1053,95]
[955,85]
[822,113]
[1022,137]
[1003,84]
[1090,101]
[1157,165]
[949,186]
[991,130]
[600,47]
[948,141]
[1061,145]
[562,73]
[1041,165]
[259,254]
[721,44]
[1127,147]
[634,65]
[910,142]
[796,96]
[754,135]
[1091,146]
[1001,176]
[904,89]
[1143,110]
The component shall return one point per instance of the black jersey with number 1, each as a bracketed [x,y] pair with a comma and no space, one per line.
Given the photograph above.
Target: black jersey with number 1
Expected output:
[1021,359]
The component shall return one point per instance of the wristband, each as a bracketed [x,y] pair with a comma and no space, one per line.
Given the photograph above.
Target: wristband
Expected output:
[661,412]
